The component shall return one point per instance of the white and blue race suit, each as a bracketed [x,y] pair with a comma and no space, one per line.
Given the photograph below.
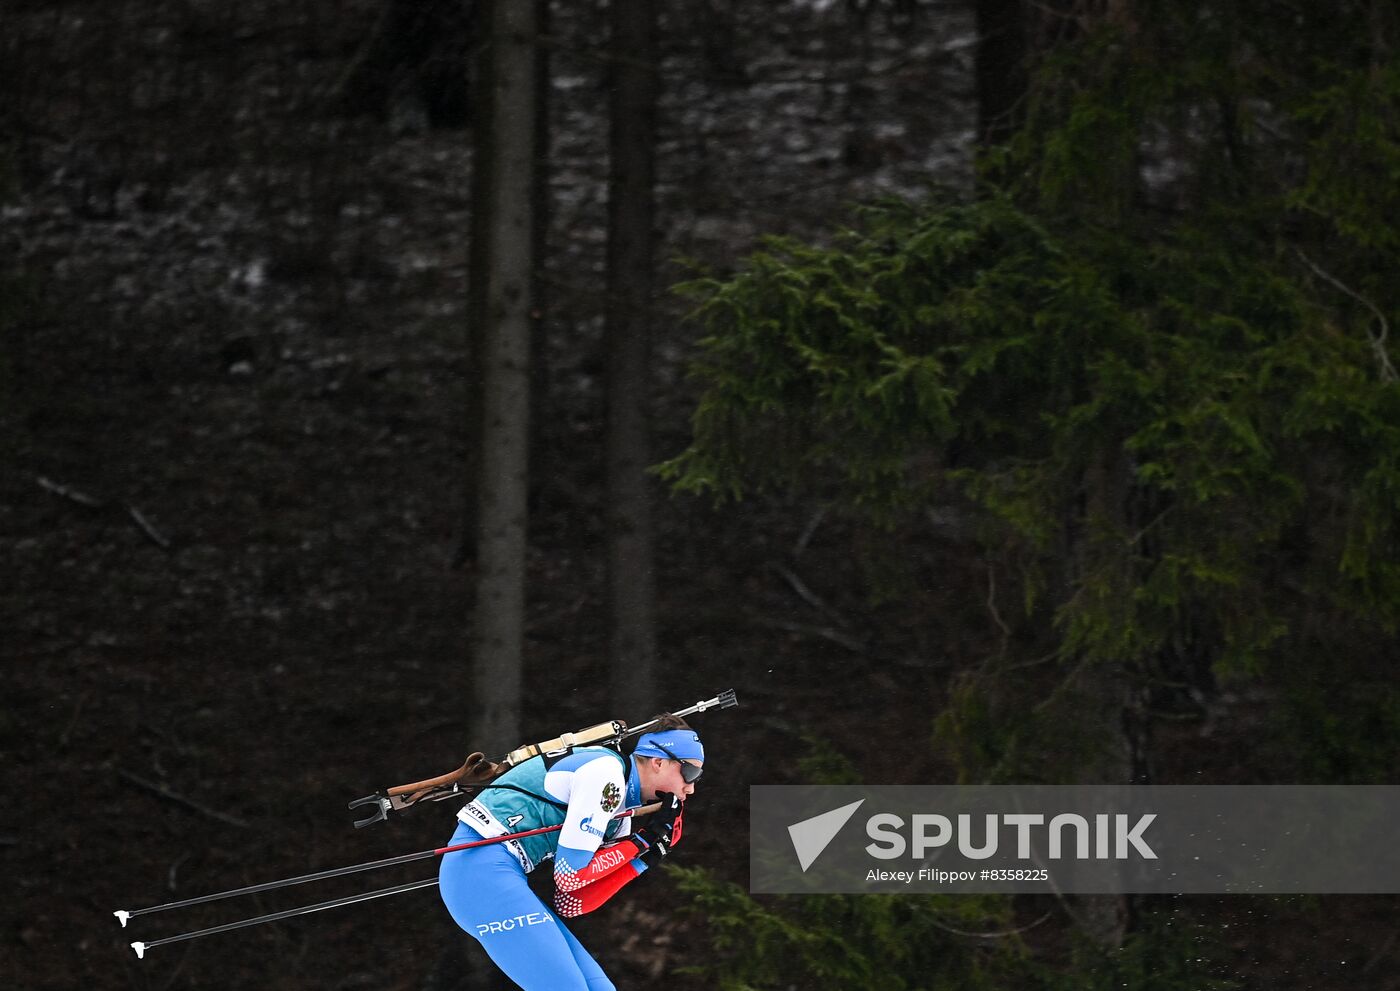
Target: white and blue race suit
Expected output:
[594,855]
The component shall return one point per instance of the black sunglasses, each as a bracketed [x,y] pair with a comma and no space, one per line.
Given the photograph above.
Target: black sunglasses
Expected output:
[689,772]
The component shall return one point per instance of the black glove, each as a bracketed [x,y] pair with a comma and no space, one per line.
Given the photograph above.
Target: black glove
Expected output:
[661,830]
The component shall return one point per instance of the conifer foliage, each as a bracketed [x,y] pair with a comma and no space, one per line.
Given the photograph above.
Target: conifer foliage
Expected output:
[1175,406]
[1152,359]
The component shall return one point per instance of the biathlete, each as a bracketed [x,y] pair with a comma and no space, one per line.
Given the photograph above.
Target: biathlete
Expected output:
[594,854]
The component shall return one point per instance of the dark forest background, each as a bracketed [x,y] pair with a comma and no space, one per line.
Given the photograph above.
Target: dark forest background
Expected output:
[1025,413]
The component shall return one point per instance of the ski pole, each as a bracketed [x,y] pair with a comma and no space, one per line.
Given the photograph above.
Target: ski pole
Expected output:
[141,948]
[124,916]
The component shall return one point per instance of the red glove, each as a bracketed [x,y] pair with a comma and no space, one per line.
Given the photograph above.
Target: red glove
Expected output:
[662,828]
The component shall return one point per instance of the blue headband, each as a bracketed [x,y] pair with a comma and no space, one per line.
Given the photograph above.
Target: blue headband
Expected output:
[680,743]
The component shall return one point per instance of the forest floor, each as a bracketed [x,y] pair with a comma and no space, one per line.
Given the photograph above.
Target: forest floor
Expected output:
[232,418]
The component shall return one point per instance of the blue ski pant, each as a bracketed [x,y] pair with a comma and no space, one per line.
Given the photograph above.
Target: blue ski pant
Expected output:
[485,890]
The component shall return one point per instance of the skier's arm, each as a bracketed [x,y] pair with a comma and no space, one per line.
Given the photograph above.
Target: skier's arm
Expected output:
[589,896]
[595,796]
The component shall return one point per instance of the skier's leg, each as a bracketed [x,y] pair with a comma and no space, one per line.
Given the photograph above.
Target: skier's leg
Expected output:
[592,973]
[486,892]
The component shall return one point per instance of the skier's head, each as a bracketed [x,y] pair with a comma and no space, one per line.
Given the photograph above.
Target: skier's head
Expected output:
[669,758]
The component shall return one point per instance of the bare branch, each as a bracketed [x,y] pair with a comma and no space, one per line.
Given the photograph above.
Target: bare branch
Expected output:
[1377,339]
[189,803]
[808,596]
[155,536]
[71,494]
[825,632]
[995,935]
[92,502]
[992,605]
[808,531]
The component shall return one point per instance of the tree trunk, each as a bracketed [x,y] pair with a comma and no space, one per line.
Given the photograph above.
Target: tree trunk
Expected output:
[1000,68]
[478,275]
[507,227]
[541,387]
[631,586]
[1102,701]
